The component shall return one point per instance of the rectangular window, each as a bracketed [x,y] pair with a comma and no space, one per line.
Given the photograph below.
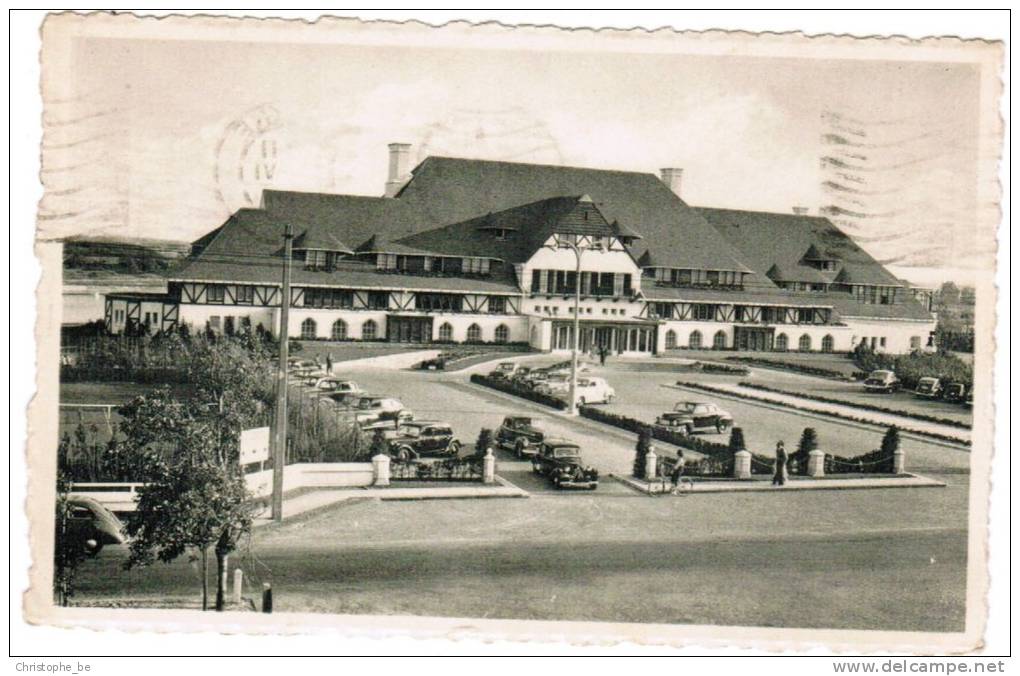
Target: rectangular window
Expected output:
[805,316]
[245,294]
[881,341]
[439,302]
[536,281]
[497,305]
[214,322]
[704,312]
[627,290]
[561,282]
[378,300]
[713,277]
[215,293]
[685,277]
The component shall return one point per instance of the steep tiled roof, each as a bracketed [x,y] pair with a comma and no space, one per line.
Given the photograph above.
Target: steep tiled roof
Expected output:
[767,239]
[446,190]
[525,229]
[797,273]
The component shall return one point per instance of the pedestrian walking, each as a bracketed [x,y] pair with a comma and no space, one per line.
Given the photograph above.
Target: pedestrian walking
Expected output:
[678,471]
[779,478]
[602,355]
[329,363]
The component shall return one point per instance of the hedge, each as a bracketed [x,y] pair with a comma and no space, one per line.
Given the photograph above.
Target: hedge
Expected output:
[868,407]
[910,368]
[793,366]
[518,390]
[815,411]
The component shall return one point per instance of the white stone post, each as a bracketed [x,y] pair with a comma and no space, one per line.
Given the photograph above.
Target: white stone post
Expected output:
[489,467]
[742,464]
[899,461]
[223,582]
[816,463]
[238,584]
[651,464]
[381,470]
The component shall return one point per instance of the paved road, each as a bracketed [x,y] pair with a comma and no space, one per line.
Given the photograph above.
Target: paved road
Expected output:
[842,559]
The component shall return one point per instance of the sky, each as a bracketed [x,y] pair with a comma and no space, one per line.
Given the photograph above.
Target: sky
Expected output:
[165,139]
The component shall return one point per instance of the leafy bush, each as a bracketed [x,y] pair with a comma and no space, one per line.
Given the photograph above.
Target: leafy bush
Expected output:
[791,366]
[910,368]
[808,442]
[644,443]
[484,442]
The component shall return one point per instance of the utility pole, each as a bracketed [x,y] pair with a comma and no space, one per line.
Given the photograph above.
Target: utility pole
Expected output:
[280,431]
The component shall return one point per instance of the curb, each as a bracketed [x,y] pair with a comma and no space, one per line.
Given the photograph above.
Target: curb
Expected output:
[745,486]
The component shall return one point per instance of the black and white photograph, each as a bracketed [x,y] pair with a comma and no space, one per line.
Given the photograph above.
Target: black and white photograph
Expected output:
[662,336]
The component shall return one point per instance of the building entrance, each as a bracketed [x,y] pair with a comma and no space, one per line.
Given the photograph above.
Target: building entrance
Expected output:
[409,329]
[754,339]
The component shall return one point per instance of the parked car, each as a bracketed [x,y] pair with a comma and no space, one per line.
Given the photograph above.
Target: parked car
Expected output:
[505,369]
[560,461]
[334,384]
[308,378]
[521,374]
[688,417]
[928,388]
[955,393]
[90,525]
[296,363]
[423,439]
[519,433]
[553,384]
[594,391]
[881,381]
[371,409]
[433,364]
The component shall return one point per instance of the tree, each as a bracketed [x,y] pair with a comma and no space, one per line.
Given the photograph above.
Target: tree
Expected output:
[484,441]
[891,441]
[195,497]
[644,444]
[808,442]
[737,440]
[68,551]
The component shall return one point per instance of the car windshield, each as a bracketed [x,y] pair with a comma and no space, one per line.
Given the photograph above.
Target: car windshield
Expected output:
[368,403]
[409,431]
[685,406]
[567,452]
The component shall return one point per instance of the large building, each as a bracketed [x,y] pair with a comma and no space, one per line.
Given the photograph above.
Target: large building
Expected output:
[466,250]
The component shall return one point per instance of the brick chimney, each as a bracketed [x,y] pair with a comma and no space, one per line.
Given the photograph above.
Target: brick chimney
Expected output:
[671,177]
[400,167]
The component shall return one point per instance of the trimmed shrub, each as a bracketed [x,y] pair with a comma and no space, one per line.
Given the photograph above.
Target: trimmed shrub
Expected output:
[737,440]
[644,442]
[791,366]
[891,440]
[910,368]
[808,442]
[518,390]
[484,441]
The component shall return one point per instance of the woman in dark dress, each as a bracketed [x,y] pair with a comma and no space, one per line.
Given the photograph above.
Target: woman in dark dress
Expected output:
[779,478]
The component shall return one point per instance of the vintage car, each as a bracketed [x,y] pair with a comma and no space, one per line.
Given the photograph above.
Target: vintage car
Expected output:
[89,525]
[521,374]
[560,461]
[881,381]
[693,416]
[423,439]
[519,434]
[369,409]
[553,384]
[594,391]
[505,369]
[955,393]
[307,378]
[334,384]
[437,363]
[928,388]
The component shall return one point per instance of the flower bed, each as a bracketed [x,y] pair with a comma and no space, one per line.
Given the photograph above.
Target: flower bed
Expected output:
[816,411]
[867,407]
[448,469]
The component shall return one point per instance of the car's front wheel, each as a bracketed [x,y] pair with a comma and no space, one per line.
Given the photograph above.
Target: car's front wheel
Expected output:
[404,454]
[454,448]
[721,426]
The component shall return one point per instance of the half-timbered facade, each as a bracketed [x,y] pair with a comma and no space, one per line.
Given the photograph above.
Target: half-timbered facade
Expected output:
[496,252]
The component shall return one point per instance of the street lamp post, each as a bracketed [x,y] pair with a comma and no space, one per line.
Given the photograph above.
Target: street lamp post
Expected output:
[578,251]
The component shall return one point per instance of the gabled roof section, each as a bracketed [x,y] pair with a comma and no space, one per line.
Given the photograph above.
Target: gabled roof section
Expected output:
[796,273]
[320,238]
[767,239]
[526,228]
[446,190]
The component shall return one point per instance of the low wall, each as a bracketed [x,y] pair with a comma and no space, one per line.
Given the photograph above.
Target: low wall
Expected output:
[117,497]
[317,475]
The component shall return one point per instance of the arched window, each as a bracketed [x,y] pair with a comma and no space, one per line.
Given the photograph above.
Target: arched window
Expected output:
[445,332]
[782,343]
[719,340]
[368,330]
[474,334]
[694,342]
[827,343]
[804,345]
[308,329]
[502,333]
[339,330]
[671,339]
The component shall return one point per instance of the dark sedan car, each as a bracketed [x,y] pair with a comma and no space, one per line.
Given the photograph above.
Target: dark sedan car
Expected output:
[691,416]
[560,461]
[519,434]
[423,439]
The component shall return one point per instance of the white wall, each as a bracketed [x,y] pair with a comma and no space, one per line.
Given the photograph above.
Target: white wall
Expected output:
[840,334]
[198,315]
[591,261]
[324,319]
[517,325]
[897,333]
